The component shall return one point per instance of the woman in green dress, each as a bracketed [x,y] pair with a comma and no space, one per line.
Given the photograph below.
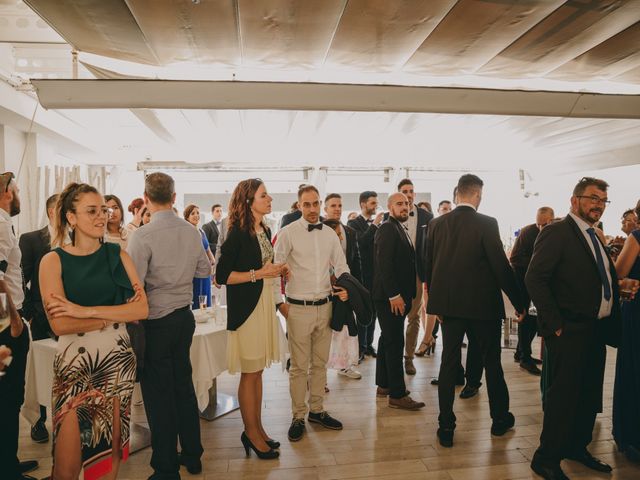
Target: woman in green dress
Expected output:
[90,289]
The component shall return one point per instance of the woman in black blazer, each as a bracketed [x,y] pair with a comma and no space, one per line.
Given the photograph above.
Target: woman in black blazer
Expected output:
[253,284]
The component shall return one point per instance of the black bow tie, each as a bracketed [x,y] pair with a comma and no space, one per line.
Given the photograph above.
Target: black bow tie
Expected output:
[370,220]
[412,213]
[317,226]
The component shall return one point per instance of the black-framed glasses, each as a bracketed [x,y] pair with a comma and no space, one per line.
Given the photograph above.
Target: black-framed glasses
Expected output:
[595,199]
[12,176]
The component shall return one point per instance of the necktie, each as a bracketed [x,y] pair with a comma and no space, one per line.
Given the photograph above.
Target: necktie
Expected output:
[370,220]
[317,226]
[600,262]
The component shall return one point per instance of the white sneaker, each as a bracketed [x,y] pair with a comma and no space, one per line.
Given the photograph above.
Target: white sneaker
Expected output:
[351,373]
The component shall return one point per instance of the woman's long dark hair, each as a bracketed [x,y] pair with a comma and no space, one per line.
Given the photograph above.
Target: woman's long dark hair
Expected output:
[240,214]
[119,203]
[66,203]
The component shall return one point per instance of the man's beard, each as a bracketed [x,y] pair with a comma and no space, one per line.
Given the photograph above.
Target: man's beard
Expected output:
[403,217]
[584,214]
[14,208]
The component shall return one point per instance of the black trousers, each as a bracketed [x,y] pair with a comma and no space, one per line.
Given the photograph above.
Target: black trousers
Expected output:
[40,330]
[365,333]
[527,330]
[576,363]
[389,369]
[11,398]
[486,335]
[168,393]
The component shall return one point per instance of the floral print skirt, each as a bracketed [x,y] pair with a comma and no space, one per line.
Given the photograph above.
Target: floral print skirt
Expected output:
[91,370]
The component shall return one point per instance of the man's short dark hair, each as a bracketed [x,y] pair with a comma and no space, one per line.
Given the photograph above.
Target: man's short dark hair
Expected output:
[403,182]
[215,206]
[159,187]
[332,195]
[628,212]
[307,188]
[442,202]
[468,183]
[586,182]
[366,195]
[51,201]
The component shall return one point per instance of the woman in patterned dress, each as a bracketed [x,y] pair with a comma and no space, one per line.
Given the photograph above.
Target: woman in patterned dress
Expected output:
[253,284]
[90,289]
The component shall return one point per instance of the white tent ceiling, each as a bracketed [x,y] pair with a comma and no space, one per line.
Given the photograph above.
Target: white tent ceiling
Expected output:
[570,46]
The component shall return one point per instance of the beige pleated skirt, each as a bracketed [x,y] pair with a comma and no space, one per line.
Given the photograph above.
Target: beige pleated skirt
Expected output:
[255,345]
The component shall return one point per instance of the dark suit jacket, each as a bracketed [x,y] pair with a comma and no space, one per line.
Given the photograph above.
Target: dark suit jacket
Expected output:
[240,253]
[288,218]
[365,233]
[353,253]
[394,263]
[564,282]
[211,231]
[466,267]
[33,245]
[523,247]
[424,218]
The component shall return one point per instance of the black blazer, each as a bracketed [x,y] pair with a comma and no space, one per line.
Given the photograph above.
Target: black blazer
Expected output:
[33,246]
[353,253]
[564,282]
[523,247]
[424,218]
[365,233]
[466,267]
[290,217]
[394,263]
[212,232]
[240,253]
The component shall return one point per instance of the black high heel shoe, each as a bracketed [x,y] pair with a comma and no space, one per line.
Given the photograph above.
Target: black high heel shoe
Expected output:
[432,346]
[246,443]
[273,443]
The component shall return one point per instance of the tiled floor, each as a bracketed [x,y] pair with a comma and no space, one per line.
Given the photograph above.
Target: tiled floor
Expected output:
[379,442]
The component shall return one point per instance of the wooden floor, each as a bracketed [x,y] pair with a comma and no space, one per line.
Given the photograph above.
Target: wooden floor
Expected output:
[380,442]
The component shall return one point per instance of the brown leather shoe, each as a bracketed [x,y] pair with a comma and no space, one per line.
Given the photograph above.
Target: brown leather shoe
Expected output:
[409,368]
[382,392]
[405,403]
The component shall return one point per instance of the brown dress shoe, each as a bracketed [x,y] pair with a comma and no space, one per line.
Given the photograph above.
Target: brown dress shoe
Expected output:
[408,366]
[405,403]
[382,392]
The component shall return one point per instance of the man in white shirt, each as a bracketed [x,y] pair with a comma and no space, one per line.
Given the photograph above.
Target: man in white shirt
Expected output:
[311,252]
[15,337]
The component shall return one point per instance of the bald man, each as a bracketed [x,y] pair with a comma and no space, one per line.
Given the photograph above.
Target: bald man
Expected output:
[394,288]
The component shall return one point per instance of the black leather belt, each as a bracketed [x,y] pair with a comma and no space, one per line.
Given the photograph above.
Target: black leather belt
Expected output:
[308,303]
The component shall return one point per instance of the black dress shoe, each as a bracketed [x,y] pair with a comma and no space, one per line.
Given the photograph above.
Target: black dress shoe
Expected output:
[371,351]
[589,461]
[39,433]
[194,467]
[445,436]
[468,391]
[274,444]
[547,472]
[296,430]
[500,427]
[326,420]
[27,466]
[531,367]
[537,361]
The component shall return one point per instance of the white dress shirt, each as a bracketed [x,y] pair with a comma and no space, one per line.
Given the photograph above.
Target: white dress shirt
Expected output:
[605,305]
[411,224]
[310,256]
[10,253]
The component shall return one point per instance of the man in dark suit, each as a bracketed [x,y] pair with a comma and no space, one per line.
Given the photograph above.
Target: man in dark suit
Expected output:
[366,226]
[465,270]
[519,259]
[394,288]
[333,211]
[33,246]
[573,285]
[416,224]
[212,229]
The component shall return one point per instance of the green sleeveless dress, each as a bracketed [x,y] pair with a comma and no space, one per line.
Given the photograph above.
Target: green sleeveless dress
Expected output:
[92,369]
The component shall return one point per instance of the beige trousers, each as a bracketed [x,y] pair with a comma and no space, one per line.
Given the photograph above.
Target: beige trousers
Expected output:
[413,322]
[309,343]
